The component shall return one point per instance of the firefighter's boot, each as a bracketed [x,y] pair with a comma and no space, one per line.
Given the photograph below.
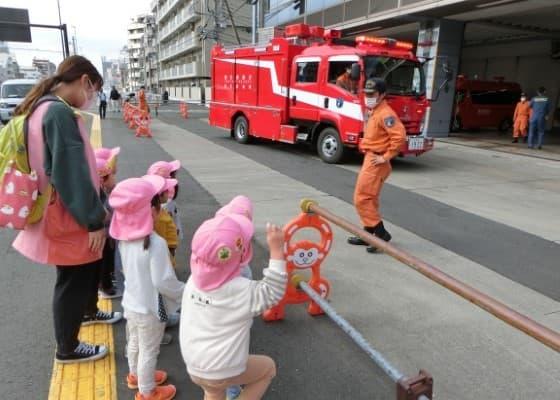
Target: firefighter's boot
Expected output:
[381,233]
[358,241]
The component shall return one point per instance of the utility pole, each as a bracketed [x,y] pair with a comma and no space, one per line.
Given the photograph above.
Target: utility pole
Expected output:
[233,22]
[74,41]
[61,31]
[254,20]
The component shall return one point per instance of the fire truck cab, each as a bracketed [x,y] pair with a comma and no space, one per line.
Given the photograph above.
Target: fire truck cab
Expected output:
[306,86]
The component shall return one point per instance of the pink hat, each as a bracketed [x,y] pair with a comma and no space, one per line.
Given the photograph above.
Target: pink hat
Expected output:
[132,211]
[217,247]
[107,153]
[163,185]
[240,205]
[164,168]
[106,160]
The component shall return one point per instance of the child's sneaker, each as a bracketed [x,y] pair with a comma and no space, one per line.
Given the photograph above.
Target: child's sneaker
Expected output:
[159,377]
[82,353]
[166,338]
[233,392]
[173,319]
[166,392]
[102,317]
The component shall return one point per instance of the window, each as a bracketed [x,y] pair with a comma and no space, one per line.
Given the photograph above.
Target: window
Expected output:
[495,97]
[339,77]
[403,77]
[307,71]
[16,90]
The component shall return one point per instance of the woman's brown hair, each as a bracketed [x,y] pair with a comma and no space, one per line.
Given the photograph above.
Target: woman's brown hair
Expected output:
[71,69]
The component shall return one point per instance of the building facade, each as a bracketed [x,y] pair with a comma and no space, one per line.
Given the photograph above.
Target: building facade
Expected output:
[112,73]
[30,73]
[9,68]
[186,32]
[44,66]
[136,54]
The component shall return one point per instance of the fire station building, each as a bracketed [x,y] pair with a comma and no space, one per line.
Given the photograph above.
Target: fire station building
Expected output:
[504,40]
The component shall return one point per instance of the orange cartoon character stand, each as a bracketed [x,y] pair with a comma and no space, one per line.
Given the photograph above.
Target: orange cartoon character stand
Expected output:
[303,255]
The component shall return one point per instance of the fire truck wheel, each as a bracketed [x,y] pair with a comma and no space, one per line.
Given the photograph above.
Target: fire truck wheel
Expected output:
[241,130]
[329,146]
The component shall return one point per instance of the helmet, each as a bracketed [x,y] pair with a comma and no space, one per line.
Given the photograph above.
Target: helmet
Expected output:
[375,85]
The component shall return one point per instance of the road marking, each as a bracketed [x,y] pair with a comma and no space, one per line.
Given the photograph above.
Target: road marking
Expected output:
[92,380]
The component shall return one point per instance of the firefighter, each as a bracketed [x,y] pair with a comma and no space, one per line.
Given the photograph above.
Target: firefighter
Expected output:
[384,137]
[142,103]
[521,119]
[540,107]
[344,80]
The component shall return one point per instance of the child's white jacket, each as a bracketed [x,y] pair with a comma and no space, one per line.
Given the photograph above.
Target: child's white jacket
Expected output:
[147,273]
[215,325]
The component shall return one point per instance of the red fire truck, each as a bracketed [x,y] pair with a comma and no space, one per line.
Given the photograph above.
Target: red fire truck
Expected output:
[485,103]
[294,89]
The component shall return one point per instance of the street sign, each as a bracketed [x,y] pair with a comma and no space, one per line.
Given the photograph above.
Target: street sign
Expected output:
[14,25]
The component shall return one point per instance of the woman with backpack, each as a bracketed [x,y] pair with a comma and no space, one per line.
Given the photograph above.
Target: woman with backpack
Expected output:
[71,233]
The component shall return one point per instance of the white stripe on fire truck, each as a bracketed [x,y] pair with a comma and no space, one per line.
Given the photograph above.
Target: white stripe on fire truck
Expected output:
[348,109]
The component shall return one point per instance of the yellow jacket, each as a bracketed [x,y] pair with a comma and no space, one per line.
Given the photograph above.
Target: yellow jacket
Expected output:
[165,227]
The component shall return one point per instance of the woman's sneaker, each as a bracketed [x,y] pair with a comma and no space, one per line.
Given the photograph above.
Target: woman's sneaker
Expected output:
[102,317]
[166,392]
[83,353]
[159,378]
[111,293]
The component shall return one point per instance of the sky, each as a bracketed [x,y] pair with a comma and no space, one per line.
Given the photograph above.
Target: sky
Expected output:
[100,27]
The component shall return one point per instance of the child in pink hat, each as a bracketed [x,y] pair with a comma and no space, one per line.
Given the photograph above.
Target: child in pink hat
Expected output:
[164,225]
[169,169]
[219,306]
[106,161]
[241,205]
[152,289]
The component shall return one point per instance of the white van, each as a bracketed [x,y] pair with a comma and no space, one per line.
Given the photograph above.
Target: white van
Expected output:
[12,92]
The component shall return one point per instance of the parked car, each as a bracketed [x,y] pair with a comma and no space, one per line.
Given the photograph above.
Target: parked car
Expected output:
[12,93]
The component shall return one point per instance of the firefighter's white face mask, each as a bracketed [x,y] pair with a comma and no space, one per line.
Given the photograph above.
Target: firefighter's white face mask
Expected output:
[523,98]
[371,102]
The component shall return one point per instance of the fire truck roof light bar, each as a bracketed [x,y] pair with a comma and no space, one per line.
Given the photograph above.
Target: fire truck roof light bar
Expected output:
[384,42]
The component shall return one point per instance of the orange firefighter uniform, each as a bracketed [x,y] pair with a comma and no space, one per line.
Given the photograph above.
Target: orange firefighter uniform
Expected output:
[345,82]
[384,136]
[521,119]
[142,103]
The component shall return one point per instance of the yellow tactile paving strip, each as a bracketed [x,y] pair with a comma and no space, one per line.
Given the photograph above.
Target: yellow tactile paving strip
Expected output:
[91,380]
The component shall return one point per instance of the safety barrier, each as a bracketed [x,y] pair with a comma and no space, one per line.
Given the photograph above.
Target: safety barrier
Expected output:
[309,255]
[137,119]
[184,110]
[546,336]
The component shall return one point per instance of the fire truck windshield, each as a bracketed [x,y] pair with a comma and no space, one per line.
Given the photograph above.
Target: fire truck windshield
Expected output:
[403,77]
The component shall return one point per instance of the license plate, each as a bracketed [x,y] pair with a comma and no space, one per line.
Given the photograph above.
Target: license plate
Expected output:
[416,143]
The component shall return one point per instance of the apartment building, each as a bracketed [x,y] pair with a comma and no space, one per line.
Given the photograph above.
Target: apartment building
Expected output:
[187,30]
[138,27]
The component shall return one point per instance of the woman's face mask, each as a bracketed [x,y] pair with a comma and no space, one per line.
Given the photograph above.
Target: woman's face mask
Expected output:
[523,98]
[88,95]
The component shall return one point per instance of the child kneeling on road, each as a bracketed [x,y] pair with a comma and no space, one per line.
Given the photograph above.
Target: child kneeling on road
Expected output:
[151,286]
[219,306]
